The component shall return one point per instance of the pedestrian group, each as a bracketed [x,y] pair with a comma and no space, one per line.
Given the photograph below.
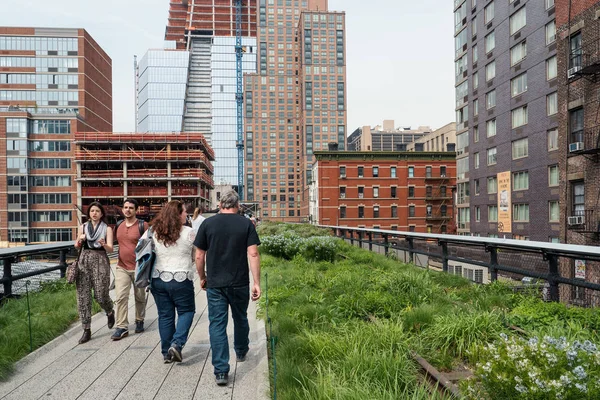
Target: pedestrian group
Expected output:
[226,249]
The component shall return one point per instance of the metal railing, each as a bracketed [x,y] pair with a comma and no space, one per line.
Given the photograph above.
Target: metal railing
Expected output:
[554,263]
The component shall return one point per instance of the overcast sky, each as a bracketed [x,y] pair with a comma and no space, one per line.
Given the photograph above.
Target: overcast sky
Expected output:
[399,52]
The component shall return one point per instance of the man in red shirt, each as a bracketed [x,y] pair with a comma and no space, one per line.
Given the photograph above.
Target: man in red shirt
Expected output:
[127,233]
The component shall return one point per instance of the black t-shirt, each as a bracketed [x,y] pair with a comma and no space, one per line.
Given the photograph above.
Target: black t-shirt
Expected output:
[226,238]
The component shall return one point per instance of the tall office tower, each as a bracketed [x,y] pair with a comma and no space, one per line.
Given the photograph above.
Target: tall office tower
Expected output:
[578,172]
[191,87]
[294,104]
[506,119]
[53,82]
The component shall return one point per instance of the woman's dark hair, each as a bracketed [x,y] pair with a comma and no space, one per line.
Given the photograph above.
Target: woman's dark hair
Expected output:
[96,204]
[167,224]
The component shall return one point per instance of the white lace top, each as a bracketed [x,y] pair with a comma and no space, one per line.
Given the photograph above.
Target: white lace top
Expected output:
[177,257]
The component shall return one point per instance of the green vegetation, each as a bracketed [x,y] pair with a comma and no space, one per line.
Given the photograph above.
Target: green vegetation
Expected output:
[345,328]
[53,310]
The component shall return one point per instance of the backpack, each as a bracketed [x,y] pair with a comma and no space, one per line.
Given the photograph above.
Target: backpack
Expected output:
[145,257]
[140,227]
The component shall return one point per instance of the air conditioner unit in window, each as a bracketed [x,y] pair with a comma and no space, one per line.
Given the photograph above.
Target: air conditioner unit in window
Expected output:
[575,146]
[572,71]
[576,220]
[342,176]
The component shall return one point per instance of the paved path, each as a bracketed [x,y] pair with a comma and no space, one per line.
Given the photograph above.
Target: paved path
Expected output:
[133,368]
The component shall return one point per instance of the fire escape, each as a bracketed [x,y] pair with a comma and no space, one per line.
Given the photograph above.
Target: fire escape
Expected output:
[438,196]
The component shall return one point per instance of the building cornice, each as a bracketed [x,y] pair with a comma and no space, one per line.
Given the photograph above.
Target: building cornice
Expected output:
[385,155]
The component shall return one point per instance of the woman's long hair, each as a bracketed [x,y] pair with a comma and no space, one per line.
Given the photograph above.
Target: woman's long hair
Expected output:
[196,212]
[167,224]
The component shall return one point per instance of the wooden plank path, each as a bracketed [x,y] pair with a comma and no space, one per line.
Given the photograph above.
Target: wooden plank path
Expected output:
[133,368]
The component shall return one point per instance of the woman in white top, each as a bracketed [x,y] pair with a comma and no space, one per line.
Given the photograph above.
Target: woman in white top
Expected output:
[172,278]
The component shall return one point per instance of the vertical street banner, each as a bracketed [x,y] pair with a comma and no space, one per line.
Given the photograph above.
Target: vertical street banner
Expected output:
[579,269]
[504,203]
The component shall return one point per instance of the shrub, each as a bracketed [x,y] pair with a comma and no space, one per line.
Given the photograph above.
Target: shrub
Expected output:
[288,245]
[538,368]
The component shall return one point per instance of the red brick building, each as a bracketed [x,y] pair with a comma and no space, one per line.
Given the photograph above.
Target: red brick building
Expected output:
[578,52]
[405,191]
[53,82]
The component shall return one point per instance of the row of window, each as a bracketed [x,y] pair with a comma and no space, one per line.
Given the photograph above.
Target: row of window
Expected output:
[394,211]
[38,198]
[38,43]
[439,193]
[39,216]
[411,172]
[40,235]
[520,212]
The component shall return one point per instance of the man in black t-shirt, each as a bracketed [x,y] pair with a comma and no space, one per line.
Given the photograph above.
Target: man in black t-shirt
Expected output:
[227,243]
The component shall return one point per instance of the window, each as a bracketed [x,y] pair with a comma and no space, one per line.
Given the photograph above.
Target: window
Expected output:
[443,171]
[411,191]
[575,51]
[342,172]
[393,172]
[521,180]
[521,212]
[578,199]
[553,211]
[520,148]
[476,133]
[490,71]
[549,3]
[551,68]
[361,211]
[518,84]
[393,192]
[375,211]
[550,32]
[476,183]
[428,172]
[411,172]
[488,13]
[519,116]
[475,81]
[342,192]
[553,139]
[474,26]
[361,192]
[411,211]
[491,156]
[490,99]
[518,20]
[552,103]
[475,57]
[518,53]
[342,212]
[553,175]
[576,125]
[492,213]
[491,127]
[394,211]
[476,160]
[490,42]
[492,185]
[361,172]
[475,107]
[477,214]
[375,172]
[375,191]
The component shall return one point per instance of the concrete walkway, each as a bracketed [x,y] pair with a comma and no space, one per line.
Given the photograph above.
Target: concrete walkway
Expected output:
[133,368]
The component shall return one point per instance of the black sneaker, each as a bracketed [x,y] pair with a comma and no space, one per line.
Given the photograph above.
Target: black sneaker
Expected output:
[110,319]
[222,379]
[175,352]
[119,334]
[241,358]
[139,326]
[167,359]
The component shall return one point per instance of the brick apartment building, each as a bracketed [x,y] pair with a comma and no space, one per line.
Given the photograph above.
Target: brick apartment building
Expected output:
[53,82]
[579,134]
[507,119]
[404,191]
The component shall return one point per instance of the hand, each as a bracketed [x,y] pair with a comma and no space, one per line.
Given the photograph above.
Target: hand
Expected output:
[82,237]
[203,283]
[255,292]
[102,242]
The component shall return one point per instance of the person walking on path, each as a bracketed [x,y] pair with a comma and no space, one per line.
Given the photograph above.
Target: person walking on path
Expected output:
[127,233]
[95,238]
[197,219]
[227,242]
[172,278]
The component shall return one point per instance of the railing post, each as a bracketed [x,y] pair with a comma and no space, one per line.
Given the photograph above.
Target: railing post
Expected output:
[370,241]
[444,256]
[386,243]
[493,263]
[360,241]
[411,246]
[351,237]
[63,262]
[8,277]
[552,275]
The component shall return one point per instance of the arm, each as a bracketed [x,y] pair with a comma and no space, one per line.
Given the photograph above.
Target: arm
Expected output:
[200,260]
[80,237]
[254,259]
[108,244]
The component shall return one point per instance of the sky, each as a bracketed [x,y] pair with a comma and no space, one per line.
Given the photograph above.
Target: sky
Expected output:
[400,53]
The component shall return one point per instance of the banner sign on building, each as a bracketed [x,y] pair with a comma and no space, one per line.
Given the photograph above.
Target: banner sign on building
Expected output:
[504,202]
[579,269]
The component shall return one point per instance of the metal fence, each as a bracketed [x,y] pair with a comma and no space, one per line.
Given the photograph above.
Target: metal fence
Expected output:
[562,271]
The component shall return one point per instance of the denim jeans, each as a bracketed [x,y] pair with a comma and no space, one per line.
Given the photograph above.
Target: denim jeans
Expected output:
[219,301]
[171,296]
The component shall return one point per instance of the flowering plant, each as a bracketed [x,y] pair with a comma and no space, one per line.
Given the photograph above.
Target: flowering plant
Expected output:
[546,368]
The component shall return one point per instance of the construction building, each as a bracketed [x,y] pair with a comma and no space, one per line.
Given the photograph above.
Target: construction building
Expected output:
[442,139]
[384,137]
[53,82]
[507,119]
[294,104]
[578,31]
[152,168]
[401,190]
[191,86]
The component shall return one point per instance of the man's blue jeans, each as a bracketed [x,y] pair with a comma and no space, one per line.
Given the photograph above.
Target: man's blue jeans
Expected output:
[219,301]
[171,296]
